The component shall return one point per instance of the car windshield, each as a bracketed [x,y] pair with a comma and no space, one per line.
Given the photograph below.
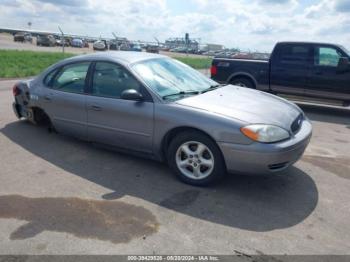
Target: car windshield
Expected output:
[172,79]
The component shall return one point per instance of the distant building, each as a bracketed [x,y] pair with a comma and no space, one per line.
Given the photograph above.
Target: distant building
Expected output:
[178,42]
[212,47]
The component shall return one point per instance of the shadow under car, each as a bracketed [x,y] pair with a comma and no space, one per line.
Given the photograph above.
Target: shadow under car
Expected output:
[250,203]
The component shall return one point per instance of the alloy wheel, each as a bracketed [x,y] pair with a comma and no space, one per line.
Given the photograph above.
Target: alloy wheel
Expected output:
[195,160]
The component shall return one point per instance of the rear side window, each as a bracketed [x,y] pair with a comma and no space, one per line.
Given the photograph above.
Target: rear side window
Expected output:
[110,80]
[71,78]
[327,56]
[295,54]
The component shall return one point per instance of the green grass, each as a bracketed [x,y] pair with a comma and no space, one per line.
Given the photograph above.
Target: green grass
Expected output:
[195,62]
[15,63]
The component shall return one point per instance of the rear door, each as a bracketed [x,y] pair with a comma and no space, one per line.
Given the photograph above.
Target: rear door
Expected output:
[290,68]
[325,79]
[64,99]
[112,120]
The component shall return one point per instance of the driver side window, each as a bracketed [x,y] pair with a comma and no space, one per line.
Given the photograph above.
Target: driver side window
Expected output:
[71,78]
[110,80]
[327,56]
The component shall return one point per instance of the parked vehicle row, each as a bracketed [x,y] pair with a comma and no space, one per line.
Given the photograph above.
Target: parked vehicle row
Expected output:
[50,40]
[99,45]
[103,45]
[184,50]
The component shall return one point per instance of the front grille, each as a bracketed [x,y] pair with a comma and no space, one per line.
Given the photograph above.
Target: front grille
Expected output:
[297,123]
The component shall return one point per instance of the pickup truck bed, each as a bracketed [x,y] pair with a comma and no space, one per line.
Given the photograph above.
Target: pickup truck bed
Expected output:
[235,70]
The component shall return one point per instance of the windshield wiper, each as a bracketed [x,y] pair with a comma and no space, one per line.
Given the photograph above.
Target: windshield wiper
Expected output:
[212,87]
[182,93]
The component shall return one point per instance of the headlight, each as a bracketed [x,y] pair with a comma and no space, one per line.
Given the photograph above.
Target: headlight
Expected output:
[265,133]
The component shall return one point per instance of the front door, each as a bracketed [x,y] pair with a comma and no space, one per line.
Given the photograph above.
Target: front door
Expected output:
[326,80]
[112,120]
[64,100]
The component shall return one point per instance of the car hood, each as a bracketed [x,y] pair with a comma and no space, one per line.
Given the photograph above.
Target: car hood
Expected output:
[248,105]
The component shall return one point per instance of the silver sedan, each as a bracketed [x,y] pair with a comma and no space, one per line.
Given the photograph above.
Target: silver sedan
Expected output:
[157,107]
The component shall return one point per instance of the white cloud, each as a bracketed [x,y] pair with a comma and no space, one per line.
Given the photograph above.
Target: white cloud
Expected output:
[256,24]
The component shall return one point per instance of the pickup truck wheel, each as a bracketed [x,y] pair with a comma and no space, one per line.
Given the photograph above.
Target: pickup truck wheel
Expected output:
[196,159]
[243,82]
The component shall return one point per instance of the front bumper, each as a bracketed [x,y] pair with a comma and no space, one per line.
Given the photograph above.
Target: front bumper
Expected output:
[260,158]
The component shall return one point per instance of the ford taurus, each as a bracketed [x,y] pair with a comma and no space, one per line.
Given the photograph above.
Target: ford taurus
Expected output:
[158,107]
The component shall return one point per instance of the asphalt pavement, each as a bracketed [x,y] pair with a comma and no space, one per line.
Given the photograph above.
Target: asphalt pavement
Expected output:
[59,195]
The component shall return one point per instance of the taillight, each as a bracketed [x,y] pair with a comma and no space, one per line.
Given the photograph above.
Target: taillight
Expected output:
[213,70]
[16,91]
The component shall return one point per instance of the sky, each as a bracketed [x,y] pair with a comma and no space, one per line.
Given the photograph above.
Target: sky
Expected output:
[246,24]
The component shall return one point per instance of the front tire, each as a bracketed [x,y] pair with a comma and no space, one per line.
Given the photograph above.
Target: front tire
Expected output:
[196,159]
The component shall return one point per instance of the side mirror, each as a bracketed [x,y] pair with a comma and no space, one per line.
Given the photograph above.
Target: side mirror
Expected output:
[131,94]
[343,64]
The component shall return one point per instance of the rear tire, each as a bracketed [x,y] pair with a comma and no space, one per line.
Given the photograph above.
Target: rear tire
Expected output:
[243,82]
[196,159]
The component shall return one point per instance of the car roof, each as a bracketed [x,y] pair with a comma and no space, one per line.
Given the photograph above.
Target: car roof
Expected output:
[306,43]
[124,57]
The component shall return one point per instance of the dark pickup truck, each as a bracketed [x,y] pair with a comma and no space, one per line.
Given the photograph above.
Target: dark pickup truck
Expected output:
[312,71]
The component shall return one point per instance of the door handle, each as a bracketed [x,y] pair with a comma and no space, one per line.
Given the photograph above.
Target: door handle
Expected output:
[47,98]
[96,108]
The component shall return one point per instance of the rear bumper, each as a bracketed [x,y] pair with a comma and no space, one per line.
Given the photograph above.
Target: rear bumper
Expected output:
[259,158]
[22,111]
[16,109]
